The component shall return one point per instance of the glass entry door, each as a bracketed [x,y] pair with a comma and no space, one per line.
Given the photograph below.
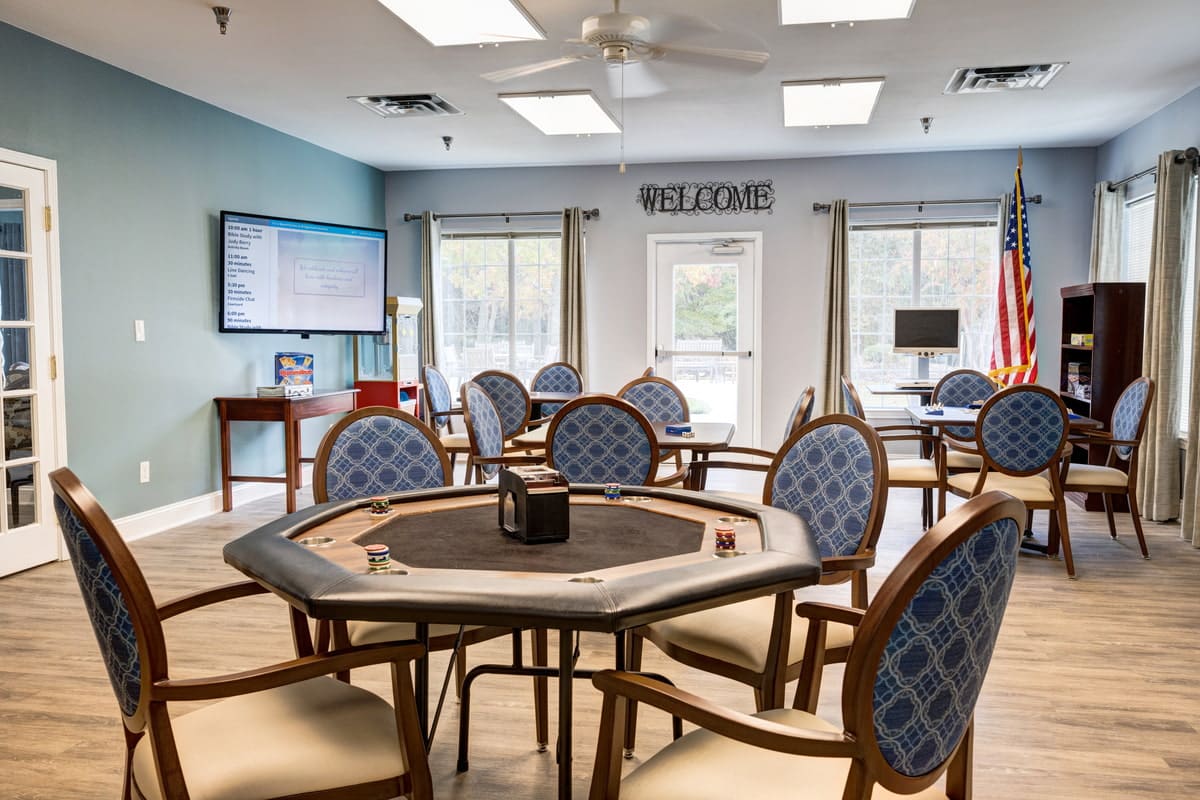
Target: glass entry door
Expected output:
[28,532]
[703,307]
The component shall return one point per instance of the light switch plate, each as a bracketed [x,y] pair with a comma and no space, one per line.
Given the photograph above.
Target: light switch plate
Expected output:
[139,330]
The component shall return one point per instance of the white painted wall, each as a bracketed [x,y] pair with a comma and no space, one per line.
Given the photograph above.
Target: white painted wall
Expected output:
[795,242]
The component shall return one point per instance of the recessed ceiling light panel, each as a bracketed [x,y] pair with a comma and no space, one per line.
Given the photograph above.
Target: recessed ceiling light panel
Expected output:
[450,22]
[563,113]
[832,101]
[806,12]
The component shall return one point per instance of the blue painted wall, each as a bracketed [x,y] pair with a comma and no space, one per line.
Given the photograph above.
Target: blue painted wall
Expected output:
[1175,127]
[795,241]
[143,173]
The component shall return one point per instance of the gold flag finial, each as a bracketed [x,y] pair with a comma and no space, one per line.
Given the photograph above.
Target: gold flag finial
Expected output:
[1020,158]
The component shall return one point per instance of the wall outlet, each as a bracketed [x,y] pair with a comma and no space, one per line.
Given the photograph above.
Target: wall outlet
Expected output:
[144,472]
[139,330]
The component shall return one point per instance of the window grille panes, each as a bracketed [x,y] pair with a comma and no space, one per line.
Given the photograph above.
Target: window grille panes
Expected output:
[498,304]
[933,266]
[1139,228]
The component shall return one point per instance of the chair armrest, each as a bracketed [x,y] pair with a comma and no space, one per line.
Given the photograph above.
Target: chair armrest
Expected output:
[208,597]
[757,452]
[746,465]
[505,460]
[962,447]
[283,673]
[847,563]
[723,721]
[675,477]
[912,428]
[1104,441]
[830,613]
[912,437]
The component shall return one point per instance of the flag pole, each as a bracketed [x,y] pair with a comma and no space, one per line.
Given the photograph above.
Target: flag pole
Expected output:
[1020,157]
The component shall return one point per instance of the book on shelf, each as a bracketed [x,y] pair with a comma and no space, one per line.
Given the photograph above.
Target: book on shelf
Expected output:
[286,390]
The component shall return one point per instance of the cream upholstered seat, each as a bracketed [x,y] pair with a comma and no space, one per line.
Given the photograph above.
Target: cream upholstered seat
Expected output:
[958,460]
[740,633]
[455,441]
[1029,489]
[373,632]
[747,771]
[912,469]
[280,730]
[1095,474]
[535,438]
[303,737]
[913,677]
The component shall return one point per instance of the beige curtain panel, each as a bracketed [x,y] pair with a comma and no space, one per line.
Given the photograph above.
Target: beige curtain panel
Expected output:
[1108,210]
[1158,482]
[573,318]
[837,308]
[1191,469]
[431,248]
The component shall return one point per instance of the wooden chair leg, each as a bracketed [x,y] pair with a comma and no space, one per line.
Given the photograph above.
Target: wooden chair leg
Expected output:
[541,691]
[1059,514]
[460,669]
[959,770]
[633,654]
[941,502]
[1108,511]
[1136,513]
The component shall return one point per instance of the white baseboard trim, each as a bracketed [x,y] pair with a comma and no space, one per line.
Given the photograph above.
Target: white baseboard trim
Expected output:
[156,520]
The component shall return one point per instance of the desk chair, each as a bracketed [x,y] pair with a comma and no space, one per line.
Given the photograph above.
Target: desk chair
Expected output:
[904,473]
[557,377]
[284,730]
[439,413]
[914,675]
[1122,440]
[605,440]
[1021,433]
[832,472]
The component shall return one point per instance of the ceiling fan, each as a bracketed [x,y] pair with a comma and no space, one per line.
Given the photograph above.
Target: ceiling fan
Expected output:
[630,43]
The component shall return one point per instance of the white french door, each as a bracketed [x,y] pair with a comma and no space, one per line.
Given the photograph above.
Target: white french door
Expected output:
[705,299]
[30,404]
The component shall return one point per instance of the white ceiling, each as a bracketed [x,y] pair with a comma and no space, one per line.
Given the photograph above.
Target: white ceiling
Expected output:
[290,64]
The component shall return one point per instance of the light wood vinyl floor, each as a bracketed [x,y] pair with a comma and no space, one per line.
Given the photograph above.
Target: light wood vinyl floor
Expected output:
[1093,692]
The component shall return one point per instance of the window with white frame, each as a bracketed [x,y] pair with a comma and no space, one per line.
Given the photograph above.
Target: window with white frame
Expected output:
[497,300]
[919,264]
[1139,230]
[1187,355]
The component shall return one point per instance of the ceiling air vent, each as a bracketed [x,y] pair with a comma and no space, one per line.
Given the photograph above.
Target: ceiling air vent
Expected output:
[407,105]
[969,80]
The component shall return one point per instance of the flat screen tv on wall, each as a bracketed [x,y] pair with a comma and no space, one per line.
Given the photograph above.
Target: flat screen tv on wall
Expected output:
[283,275]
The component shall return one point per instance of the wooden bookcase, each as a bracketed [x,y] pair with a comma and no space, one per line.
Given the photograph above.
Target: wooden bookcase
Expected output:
[1114,313]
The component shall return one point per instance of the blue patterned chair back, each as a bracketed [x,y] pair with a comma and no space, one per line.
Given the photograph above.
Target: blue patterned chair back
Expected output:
[510,398]
[1022,429]
[960,388]
[923,649]
[378,451]
[850,395]
[437,395]
[601,440]
[557,377]
[801,413]
[94,545]
[833,474]
[658,399]
[1129,415]
[483,426]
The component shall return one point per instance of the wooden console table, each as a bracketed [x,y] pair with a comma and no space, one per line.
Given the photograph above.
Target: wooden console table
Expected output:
[289,411]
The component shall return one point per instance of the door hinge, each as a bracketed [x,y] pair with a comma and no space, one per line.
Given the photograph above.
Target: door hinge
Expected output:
[53,368]
[48,219]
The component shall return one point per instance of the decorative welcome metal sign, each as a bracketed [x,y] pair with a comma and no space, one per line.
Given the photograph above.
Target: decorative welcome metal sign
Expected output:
[709,197]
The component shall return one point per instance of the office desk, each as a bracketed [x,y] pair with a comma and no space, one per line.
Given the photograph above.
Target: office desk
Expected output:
[289,411]
[451,564]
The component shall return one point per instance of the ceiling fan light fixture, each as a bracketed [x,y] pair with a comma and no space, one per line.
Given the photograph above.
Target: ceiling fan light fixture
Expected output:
[830,101]
[452,22]
[807,12]
[562,113]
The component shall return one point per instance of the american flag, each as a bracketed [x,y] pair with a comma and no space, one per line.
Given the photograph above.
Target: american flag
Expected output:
[1014,345]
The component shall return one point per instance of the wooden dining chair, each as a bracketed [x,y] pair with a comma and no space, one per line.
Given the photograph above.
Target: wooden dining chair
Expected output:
[659,400]
[512,403]
[440,413]
[1122,439]
[485,431]
[833,474]
[905,472]
[912,680]
[284,730]
[1021,433]
[605,440]
[560,376]
[961,388]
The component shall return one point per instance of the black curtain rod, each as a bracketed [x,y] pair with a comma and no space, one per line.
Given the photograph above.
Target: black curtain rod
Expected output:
[1191,154]
[588,214]
[823,208]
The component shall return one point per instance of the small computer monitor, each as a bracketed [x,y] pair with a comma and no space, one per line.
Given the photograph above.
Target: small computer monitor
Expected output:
[926,331]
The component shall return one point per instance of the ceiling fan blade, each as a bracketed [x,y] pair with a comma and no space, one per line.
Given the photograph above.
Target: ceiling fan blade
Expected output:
[639,81]
[751,57]
[501,75]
